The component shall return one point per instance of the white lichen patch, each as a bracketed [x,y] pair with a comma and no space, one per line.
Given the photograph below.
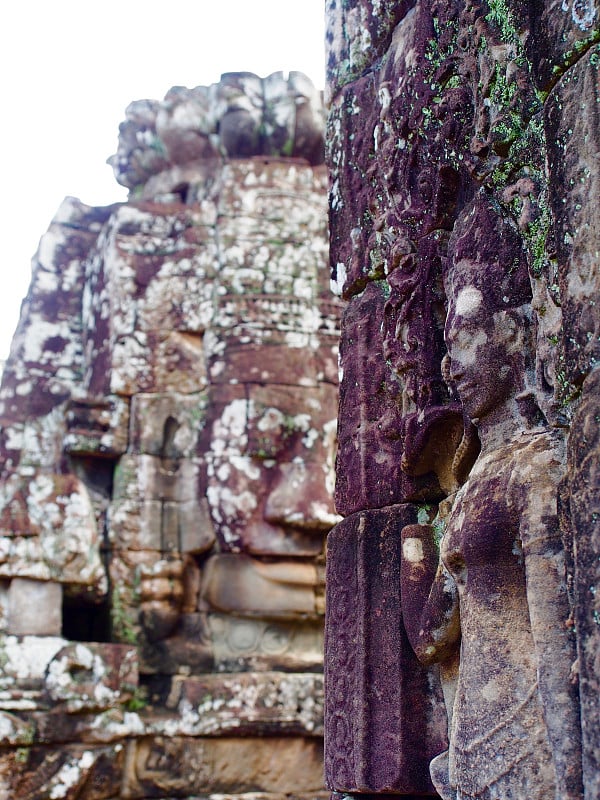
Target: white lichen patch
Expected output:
[312,436]
[341,274]
[464,348]
[319,512]
[26,659]
[72,773]
[233,503]
[245,465]
[231,701]
[271,420]
[78,678]
[412,550]
[583,12]
[301,422]
[469,301]
[51,241]
[46,282]
[39,332]
[230,428]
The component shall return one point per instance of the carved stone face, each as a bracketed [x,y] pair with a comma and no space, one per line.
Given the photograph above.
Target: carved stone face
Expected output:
[485,351]
[487,319]
[270,468]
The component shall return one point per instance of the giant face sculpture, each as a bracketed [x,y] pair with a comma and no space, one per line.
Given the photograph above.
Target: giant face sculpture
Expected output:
[269,470]
[269,456]
[223,501]
[200,415]
[166,454]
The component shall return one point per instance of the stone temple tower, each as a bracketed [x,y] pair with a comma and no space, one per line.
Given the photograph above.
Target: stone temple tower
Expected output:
[167,441]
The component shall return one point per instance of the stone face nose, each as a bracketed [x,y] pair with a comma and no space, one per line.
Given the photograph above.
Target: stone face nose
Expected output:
[299,498]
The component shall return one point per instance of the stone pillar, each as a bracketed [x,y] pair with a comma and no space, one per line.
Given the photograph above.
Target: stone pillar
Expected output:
[384,710]
[567,37]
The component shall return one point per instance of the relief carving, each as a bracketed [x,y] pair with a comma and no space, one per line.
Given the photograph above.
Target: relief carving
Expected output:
[499,596]
[463,151]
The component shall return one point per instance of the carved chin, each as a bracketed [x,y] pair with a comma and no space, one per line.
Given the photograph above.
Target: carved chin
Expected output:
[479,399]
[474,401]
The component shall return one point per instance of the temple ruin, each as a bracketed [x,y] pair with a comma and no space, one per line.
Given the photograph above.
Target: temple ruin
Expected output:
[168,431]
[171,622]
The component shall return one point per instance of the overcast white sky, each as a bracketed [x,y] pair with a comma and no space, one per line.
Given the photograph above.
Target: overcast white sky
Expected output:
[68,70]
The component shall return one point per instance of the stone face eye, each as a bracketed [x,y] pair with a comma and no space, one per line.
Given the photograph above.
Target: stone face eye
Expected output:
[267,434]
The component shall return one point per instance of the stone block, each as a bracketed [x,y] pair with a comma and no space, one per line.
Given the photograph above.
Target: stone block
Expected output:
[15,729]
[143,477]
[158,361]
[154,229]
[91,676]
[290,215]
[186,648]
[19,401]
[281,221]
[182,303]
[47,344]
[328,353]
[245,180]
[38,773]
[97,428]
[160,505]
[235,583]
[413,323]
[34,608]
[275,266]
[371,418]
[584,503]
[181,766]
[233,360]
[196,530]
[25,660]
[135,525]
[258,644]
[250,703]
[125,570]
[384,715]
[11,441]
[352,118]
[41,442]
[4,595]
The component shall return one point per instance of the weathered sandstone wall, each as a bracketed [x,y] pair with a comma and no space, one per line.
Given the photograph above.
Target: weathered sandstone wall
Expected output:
[462,637]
